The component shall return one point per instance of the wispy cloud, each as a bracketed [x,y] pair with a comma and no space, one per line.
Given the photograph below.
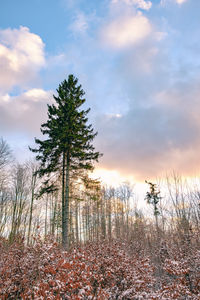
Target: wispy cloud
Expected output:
[165,2]
[146,5]
[80,23]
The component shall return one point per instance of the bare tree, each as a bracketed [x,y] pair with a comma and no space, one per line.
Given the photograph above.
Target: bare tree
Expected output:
[33,185]
[19,198]
[5,153]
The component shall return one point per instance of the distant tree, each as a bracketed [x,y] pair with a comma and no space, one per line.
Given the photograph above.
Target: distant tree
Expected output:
[153,197]
[5,153]
[68,145]
[20,192]
[32,168]
[5,159]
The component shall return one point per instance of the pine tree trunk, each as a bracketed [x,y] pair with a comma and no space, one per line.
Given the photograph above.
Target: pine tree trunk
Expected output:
[63,196]
[65,221]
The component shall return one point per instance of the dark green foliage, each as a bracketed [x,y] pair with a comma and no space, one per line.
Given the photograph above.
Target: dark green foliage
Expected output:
[67,132]
[153,197]
[67,148]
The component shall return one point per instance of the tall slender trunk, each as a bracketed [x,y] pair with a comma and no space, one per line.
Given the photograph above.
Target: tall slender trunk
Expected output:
[31,207]
[71,225]
[80,222]
[58,223]
[13,226]
[109,218]
[53,221]
[77,221]
[103,221]
[65,221]
[63,195]
[156,219]
[46,213]
[19,213]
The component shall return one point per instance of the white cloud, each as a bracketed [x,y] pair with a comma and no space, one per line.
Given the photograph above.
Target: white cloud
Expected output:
[146,5]
[24,113]
[36,94]
[126,31]
[21,57]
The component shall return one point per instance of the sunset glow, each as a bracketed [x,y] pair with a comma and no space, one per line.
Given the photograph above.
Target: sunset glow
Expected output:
[110,177]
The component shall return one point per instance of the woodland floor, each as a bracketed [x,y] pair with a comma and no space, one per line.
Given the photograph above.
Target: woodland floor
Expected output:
[98,270]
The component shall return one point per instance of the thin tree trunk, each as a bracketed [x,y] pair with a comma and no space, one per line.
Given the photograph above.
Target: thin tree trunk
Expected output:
[63,196]
[53,223]
[80,222]
[65,222]
[109,218]
[13,226]
[45,228]
[77,222]
[31,207]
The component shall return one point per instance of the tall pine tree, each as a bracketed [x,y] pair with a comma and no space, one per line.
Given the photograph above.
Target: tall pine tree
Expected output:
[68,146]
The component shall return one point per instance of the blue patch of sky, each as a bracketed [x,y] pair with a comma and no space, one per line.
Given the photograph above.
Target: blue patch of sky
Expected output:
[52,21]
[49,19]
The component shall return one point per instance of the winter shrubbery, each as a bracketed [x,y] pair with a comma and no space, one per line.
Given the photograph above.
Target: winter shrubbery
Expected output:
[101,270]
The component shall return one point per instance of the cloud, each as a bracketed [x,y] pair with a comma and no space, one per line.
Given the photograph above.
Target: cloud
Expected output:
[21,57]
[80,24]
[152,139]
[180,1]
[144,99]
[146,5]
[126,31]
[23,113]
[159,75]
[165,2]
[160,130]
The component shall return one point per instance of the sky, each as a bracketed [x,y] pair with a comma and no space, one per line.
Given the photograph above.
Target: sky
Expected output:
[138,62]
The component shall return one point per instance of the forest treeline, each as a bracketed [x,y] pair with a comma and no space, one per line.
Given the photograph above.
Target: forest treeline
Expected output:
[96,212]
